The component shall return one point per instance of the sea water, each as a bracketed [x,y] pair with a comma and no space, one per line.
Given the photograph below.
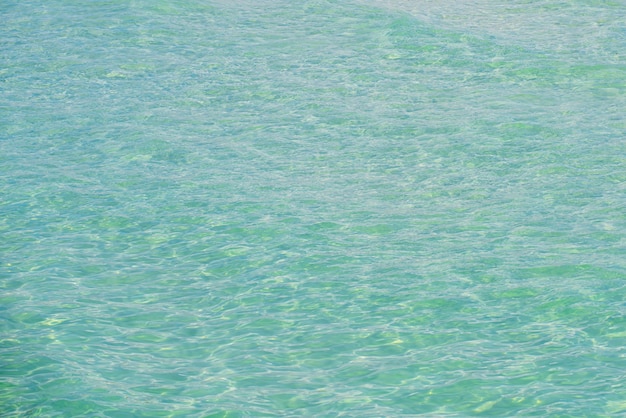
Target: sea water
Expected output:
[312,208]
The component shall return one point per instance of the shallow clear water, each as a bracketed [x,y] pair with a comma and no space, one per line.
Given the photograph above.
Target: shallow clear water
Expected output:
[317,208]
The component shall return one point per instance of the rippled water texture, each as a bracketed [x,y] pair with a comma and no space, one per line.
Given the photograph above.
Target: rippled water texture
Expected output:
[312,208]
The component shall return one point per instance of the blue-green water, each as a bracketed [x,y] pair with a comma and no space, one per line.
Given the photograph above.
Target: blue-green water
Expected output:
[315,208]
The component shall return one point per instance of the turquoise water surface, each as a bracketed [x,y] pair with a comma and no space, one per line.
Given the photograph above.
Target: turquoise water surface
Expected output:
[317,208]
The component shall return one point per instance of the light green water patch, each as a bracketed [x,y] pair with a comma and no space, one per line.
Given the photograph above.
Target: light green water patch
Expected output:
[313,209]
